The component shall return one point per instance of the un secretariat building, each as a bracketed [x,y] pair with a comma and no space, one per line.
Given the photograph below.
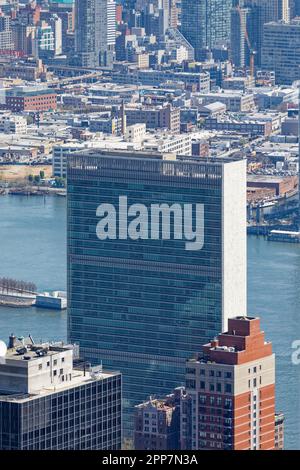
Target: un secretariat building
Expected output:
[145,305]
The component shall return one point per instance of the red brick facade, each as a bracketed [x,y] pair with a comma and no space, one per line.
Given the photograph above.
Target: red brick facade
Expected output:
[233,390]
[38,102]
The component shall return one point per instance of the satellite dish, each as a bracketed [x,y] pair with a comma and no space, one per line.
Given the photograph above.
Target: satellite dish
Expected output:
[3,349]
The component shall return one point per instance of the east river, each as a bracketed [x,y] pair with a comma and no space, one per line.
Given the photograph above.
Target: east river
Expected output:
[33,248]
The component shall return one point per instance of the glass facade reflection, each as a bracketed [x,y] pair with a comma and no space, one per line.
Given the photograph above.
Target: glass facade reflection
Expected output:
[146,306]
[86,417]
[206,24]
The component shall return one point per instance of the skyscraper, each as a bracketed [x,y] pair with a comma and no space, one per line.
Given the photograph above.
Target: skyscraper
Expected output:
[240,25]
[95,32]
[232,385]
[143,302]
[263,11]
[205,24]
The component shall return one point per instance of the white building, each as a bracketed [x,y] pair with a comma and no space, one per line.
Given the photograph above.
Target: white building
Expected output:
[12,124]
[136,133]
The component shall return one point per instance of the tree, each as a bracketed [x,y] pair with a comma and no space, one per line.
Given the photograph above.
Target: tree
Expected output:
[30,178]
[37,179]
[60,182]
[42,174]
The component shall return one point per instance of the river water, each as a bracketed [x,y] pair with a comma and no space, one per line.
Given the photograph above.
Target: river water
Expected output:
[33,248]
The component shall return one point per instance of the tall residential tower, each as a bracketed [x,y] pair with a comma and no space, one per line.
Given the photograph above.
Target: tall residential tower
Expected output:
[95,32]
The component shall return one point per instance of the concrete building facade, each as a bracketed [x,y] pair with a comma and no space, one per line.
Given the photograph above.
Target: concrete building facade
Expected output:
[50,402]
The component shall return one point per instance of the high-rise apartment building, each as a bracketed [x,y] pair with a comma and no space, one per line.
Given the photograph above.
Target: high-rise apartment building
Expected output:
[143,302]
[95,32]
[240,25]
[206,24]
[47,402]
[281,50]
[6,40]
[232,385]
[262,12]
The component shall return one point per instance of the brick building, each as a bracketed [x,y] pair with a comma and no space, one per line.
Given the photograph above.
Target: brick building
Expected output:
[281,185]
[155,117]
[157,421]
[232,386]
[28,99]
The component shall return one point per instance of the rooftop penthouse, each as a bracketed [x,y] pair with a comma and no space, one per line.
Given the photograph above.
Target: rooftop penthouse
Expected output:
[30,370]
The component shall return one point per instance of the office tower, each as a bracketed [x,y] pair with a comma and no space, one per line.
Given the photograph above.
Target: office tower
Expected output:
[280,52]
[263,11]
[205,24]
[95,32]
[145,305]
[157,421]
[47,402]
[232,385]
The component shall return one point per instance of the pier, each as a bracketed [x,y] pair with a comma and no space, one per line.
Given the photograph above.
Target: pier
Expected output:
[20,294]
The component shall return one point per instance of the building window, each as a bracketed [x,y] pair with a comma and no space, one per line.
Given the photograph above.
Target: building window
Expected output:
[228,388]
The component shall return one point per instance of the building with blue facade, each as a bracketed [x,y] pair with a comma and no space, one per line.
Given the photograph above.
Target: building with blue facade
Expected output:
[206,24]
[139,300]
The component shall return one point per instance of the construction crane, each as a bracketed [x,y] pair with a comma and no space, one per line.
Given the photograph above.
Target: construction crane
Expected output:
[251,50]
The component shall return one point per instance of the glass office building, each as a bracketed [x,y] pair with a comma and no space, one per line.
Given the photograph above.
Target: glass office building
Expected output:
[49,403]
[206,24]
[144,306]
[86,417]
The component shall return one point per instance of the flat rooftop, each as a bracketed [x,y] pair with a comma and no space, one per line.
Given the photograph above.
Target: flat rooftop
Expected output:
[78,378]
[92,153]
[266,179]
